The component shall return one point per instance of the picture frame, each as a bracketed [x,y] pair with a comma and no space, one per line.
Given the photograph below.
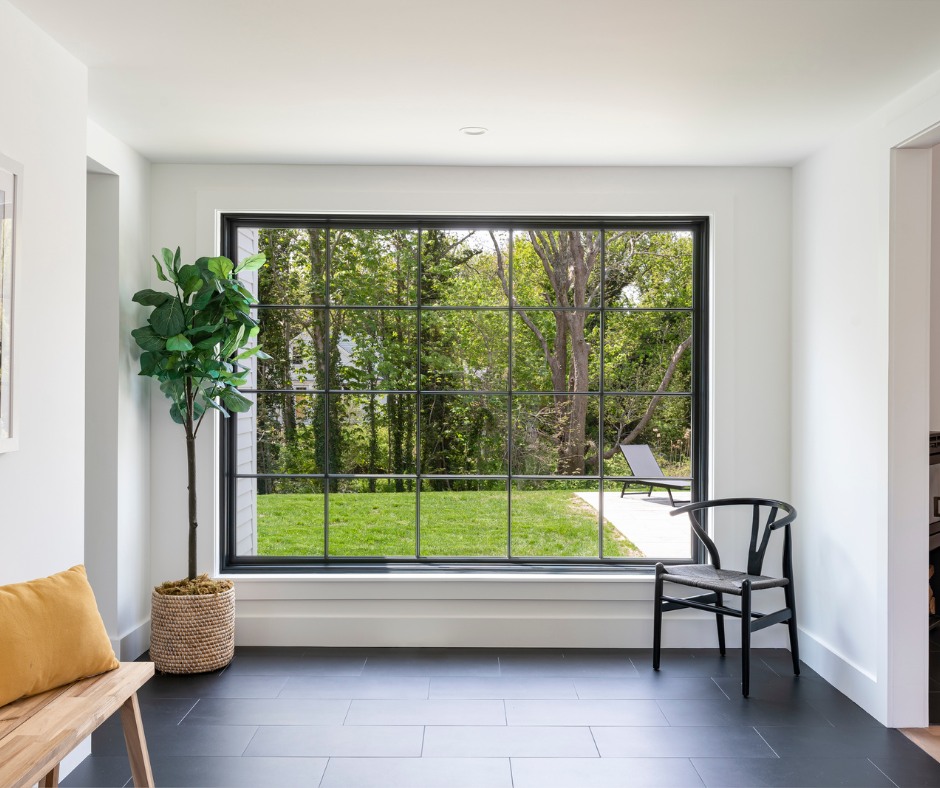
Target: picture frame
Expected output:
[11,177]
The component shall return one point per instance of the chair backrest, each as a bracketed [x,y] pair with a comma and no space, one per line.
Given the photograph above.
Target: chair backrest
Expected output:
[641,460]
[778,515]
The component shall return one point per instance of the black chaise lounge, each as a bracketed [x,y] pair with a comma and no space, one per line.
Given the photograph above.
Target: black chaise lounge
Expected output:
[643,465]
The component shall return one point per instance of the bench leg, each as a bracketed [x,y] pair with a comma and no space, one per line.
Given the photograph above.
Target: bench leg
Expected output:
[51,780]
[136,743]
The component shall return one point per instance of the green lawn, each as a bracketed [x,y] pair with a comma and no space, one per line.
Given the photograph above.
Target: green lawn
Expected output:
[544,523]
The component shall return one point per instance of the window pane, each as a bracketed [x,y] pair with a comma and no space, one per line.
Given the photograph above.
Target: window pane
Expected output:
[464,518]
[556,268]
[369,517]
[374,267]
[296,341]
[464,267]
[555,435]
[641,524]
[647,269]
[289,517]
[295,272]
[663,423]
[643,350]
[569,366]
[375,348]
[280,433]
[464,350]
[375,433]
[555,519]
[464,434]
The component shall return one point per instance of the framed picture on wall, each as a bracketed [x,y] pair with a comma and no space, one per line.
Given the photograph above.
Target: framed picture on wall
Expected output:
[11,175]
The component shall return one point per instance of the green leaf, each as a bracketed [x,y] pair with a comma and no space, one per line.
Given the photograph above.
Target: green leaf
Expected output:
[176,260]
[176,413]
[210,342]
[148,363]
[150,297]
[167,320]
[160,275]
[179,344]
[201,301]
[190,278]
[148,339]
[232,343]
[252,351]
[235,401]
[252,263]
[221,266]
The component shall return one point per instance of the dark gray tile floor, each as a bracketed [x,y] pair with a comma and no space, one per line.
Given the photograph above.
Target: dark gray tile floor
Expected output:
[488,718]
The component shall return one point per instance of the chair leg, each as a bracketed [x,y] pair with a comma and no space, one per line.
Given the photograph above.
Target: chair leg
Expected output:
[671,500]
[720,619]
[657,614]
[623,490]
[746,637]
[650,493]
[791,626]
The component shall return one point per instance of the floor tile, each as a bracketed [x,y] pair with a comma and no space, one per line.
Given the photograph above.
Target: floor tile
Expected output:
[267,711]
[501,687]
[199,740]
[338,741]
[361,687]
[226,685]
[584,712]
[568,664]
[410,662]
[207,772]
[789,772]
[157,714]
[696,662]
[296,664]
[651,687]
[519,742]
[911,770]
[740,711]
[426,712]
[706,742]
[604,773]
[99,771]
[417,773]
[836,742]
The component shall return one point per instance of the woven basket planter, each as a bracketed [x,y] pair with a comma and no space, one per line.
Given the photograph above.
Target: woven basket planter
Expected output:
[192,634]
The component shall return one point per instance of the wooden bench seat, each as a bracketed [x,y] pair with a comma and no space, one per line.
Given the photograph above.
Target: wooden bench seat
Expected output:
[37,733]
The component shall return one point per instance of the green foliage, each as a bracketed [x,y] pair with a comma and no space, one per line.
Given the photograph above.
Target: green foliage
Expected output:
[195,338]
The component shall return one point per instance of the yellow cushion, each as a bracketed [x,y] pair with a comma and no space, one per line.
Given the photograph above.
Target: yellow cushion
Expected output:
[50,634]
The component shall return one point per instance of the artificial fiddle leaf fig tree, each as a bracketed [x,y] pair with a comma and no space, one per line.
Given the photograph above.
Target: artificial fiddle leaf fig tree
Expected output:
[195,343]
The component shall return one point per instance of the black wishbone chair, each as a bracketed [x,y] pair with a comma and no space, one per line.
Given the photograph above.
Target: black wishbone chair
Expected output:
[718,582]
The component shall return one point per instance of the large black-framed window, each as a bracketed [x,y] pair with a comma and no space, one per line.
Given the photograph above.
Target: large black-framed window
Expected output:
[452,392]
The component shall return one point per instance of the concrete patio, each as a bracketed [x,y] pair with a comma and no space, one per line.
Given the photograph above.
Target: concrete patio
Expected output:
[646,521]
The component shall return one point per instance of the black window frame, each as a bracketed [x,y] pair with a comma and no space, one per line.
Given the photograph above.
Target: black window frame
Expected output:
[231,223]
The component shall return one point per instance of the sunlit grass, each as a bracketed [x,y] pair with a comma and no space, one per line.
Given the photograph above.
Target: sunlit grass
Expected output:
[554,523]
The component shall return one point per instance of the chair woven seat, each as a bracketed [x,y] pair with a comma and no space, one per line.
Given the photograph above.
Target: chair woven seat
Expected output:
[724,580]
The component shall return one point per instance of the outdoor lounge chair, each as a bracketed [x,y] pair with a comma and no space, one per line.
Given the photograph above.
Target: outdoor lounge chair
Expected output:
[643,465]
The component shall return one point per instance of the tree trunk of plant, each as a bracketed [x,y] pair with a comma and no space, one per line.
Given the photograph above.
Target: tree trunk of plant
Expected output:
[191,476]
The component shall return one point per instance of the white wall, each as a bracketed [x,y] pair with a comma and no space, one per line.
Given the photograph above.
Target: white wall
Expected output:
[42,484]
[860,407]
[935,293]
[43,128]
[117,506]
[750,210]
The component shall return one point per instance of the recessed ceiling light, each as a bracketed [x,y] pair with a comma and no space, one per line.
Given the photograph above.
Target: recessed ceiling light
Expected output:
[473,131]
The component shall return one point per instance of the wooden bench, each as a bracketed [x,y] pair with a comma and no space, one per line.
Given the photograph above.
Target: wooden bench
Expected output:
[37,733]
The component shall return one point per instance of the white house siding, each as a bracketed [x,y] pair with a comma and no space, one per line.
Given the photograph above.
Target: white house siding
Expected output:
[246,458]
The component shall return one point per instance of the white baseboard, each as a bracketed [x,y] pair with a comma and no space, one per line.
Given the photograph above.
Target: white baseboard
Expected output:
[133,643]
[849,678]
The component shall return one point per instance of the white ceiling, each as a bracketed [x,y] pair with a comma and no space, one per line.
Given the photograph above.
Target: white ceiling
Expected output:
[564,82]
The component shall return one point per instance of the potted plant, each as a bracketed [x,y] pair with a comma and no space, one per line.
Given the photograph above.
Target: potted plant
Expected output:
[195,343]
